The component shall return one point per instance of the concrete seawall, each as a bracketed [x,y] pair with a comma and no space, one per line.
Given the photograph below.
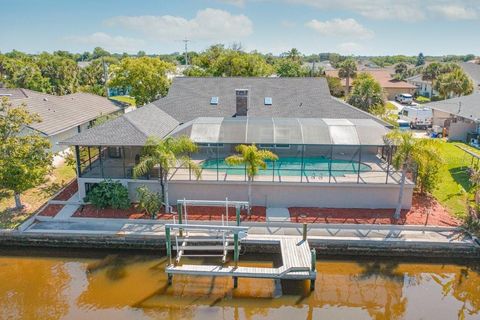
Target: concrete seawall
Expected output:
[327,247]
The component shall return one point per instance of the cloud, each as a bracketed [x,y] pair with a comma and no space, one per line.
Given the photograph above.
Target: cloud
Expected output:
[406,10]
[348,28]
[238,3]
[108,42]
[454,12]
[350,48]
[208,24]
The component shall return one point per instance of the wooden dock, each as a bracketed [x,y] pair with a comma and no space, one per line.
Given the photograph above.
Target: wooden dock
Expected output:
[296,263]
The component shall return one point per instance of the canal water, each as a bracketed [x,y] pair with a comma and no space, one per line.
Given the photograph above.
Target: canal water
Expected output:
[66,284]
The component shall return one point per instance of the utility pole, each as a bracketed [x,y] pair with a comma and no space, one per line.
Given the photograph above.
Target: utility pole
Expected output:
[105,76]
[186,41]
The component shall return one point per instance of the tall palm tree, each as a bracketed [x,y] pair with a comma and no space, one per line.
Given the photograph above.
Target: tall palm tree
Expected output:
[431,73]
[456,82]
[347,71]
[166,155]
[253,159]
[403,159]
[367,93]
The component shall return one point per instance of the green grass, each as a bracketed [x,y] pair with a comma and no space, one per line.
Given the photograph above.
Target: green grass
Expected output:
[454,188]
[125,99]
[34,198]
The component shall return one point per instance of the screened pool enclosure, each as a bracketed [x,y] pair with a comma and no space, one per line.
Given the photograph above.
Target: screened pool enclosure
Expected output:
[309,150]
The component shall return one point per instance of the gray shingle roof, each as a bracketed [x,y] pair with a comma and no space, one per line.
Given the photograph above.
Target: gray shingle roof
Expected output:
[473,70]
[189,98]
[60,113]
[466,106]
[131,129]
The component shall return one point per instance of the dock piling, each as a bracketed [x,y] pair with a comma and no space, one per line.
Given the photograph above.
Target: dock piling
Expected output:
[304,234]
[235,282]
[313,269]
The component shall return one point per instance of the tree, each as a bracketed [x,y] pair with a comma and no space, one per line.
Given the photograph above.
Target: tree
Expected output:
[24,158]
[293,55]
[290,68]
[61,72]
[166,155]
[456,83]
[335,86]
[420,60]
[413,153]
[146,77]
[92,77]
[401,70]
[347,71]
[149,201]
[253,159]
[99,52]
[23,73]
[431,73]
[367,93]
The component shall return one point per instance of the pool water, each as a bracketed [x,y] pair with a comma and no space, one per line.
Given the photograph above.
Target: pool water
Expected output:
[290,166]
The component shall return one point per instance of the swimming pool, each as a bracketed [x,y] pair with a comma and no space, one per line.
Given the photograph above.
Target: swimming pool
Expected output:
[289,166]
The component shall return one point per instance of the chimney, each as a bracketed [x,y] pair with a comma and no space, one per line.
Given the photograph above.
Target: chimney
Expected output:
[241,102]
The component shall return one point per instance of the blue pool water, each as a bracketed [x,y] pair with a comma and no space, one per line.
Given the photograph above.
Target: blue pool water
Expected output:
[313,166]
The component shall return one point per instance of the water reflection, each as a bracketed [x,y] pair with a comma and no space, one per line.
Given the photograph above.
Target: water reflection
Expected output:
[124,286]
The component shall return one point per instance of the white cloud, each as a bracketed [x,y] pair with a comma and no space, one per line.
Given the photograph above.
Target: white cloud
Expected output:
[350,48]
[349,28]
[406,10]
[454,12]
[208,24]
[108,42]
[238,3]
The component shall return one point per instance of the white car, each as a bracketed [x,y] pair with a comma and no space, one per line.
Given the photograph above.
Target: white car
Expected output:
[404,98]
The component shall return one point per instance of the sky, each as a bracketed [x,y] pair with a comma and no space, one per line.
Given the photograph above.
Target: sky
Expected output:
[350,27]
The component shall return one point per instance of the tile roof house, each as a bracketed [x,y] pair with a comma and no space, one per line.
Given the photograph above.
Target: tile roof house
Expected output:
[391,86]
[62,116]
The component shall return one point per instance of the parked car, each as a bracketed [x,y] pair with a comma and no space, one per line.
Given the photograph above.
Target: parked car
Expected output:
[403,125]
[404,98]
[417,116]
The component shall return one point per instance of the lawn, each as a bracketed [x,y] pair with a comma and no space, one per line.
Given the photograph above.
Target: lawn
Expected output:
[126,99]
[33,198]
[454,188]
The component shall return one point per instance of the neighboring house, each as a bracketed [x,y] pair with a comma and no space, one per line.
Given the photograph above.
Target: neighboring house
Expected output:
[391,86]
[331,154]
[423,87]
[473,70]
[460,116]
[62,116]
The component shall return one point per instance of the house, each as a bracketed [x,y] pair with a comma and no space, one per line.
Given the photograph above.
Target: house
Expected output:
[460,116]
[391,86]
[473,71]
[330,153]
[423,87]
[62,116]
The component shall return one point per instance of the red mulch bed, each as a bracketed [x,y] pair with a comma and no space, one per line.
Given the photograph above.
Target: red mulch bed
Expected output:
[51,210]
[425,211]
[194,213]
[68,191]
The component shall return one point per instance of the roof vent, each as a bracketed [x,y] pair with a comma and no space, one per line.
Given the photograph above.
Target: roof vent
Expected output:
[268,101]
[214,101]
[5,94]
[45,99]
[241,100]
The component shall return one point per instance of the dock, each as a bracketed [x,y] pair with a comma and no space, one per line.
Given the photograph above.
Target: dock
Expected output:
[298,261]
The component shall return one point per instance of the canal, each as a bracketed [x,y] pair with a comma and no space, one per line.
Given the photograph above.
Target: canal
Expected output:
[68,284]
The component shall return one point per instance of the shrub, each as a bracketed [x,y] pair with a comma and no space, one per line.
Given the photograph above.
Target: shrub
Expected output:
[109,194]
[149,201]
[422,99]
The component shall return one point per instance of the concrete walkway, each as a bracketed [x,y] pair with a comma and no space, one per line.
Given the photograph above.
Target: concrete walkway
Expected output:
[326,232]
[68,210]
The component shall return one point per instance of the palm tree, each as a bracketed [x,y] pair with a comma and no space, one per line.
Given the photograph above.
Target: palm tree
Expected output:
[347,71]
[166,155]
[403,159]
[367,93]
[253,159]
[456,82]
[431,73]
[401,71]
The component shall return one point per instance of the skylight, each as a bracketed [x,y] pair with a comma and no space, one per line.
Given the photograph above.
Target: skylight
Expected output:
[214,101]
[268,101]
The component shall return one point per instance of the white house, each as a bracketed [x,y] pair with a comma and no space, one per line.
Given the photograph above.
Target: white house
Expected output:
[424,87]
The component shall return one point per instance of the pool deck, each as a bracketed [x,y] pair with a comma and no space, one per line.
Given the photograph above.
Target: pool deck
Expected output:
[423,241]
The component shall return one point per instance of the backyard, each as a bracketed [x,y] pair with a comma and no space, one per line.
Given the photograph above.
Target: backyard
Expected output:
[454,188]
[34,198]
